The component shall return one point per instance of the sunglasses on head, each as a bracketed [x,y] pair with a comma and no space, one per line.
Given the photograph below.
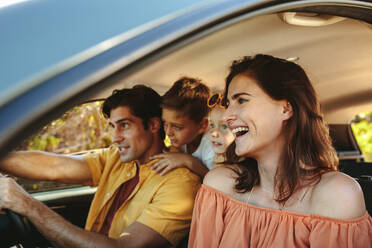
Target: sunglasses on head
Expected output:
[216,98]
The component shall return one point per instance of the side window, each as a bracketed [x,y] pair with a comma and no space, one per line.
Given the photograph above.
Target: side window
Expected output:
[80,129]
[362,129]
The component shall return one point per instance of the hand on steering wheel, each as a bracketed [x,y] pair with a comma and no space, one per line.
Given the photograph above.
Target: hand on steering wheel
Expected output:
[22,227]
[10,190]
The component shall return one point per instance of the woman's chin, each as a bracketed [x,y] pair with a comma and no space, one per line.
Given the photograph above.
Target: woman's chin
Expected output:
[242,152]
[239,152]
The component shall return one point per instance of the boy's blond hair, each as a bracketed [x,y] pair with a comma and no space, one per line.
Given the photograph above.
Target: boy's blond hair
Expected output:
[189,96]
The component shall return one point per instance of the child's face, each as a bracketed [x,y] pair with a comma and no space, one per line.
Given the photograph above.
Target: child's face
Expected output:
[180,129]
[219,133]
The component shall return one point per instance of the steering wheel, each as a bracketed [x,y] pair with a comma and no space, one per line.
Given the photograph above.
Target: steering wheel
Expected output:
[22,227]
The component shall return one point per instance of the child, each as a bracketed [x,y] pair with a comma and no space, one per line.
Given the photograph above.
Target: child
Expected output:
[219,133]
[185,119]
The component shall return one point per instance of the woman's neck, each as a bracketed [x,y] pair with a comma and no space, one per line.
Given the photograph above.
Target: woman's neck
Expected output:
[267,168]
[267,176]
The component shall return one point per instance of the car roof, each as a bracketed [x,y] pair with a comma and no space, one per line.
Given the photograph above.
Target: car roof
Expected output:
[37,36]
[88,56]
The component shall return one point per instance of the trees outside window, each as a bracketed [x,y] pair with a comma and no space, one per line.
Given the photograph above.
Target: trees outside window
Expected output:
[362,129]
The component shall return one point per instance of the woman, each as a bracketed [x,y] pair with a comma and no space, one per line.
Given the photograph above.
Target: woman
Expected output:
[287,192]
[219,134]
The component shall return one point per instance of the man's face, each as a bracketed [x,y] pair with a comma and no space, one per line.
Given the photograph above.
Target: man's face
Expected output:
[131,138]
[180,129]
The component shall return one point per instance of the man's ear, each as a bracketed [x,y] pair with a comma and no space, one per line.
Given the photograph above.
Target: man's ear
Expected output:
[154,124]
[287,110]
[204,124]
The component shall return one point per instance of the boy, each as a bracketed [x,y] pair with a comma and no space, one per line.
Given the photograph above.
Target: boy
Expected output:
[185,117]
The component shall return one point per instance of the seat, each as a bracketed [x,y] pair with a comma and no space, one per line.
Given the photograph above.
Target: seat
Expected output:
[351,160]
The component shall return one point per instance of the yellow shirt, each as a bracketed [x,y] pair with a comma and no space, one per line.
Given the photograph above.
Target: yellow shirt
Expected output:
[163,203]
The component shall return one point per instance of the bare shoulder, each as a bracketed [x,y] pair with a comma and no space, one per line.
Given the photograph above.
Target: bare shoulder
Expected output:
[221,178]
[338,196]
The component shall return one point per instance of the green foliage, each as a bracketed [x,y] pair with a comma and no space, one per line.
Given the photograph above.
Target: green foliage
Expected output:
[43,143]
[362,129]
[81,128]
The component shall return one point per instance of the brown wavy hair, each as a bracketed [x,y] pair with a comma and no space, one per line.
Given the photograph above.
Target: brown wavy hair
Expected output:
[308,151]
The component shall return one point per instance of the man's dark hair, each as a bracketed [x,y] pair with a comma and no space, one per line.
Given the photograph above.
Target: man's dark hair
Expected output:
[189,96]
[143,102]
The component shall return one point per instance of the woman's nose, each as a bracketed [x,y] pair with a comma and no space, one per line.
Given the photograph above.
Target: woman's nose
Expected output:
[229,115]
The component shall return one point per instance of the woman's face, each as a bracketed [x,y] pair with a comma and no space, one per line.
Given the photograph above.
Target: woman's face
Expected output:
[255,118]
[219,133]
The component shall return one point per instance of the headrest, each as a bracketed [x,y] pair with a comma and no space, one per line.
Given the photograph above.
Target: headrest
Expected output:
[343,138]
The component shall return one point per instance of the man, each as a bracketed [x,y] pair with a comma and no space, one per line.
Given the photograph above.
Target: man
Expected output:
[133,206]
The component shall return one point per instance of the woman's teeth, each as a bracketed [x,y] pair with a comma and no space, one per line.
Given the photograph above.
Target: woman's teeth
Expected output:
[240,131]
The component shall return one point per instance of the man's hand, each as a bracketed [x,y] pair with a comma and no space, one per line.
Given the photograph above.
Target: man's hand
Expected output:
[64,234]
[12,195]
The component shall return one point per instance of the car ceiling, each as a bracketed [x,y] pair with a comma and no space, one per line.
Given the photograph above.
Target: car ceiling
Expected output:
[337,58]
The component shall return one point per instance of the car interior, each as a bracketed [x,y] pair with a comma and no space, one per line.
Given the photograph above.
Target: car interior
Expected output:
[333,45]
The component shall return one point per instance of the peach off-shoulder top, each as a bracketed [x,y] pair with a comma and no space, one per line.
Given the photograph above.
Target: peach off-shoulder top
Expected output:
[222,221]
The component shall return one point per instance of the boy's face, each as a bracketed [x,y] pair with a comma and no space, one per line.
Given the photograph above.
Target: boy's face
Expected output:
[181,129]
